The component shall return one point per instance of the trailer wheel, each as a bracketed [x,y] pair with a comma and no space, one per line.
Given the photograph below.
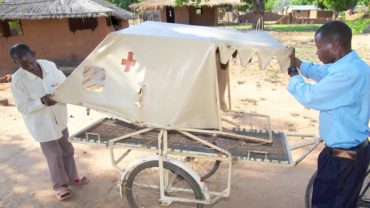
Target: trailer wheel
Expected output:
[363,200]
[205,168]
[309,189]
[142,186]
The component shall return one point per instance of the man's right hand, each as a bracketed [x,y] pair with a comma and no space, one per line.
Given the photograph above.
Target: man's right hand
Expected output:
[47,100]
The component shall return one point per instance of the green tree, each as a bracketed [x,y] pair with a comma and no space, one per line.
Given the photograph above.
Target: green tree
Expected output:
[188,2]
[258,8]
[367,4]
[364,2]
[338,5]
[123,3]
[302,2]
[270,5]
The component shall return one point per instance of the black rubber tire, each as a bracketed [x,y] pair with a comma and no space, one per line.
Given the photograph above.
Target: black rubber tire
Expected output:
[363,200]
[169,166]
[207,170]
[212,171]
[308,195]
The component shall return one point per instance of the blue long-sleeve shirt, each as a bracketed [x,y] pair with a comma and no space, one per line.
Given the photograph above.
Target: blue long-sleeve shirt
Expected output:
[341,94]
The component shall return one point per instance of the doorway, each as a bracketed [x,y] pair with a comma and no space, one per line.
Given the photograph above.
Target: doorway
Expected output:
[170,13]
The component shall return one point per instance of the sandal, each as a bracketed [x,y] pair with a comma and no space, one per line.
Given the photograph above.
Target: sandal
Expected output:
[82,180]
[62,193]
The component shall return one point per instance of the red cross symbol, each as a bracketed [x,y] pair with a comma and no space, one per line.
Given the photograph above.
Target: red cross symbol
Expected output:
[129,61]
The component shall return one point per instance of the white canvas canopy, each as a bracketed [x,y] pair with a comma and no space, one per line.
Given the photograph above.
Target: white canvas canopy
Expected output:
[164,75]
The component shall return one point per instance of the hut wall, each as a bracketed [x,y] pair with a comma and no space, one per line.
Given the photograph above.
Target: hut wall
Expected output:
[301,13]
[208,17]
[164,15]
[181,15]
[52,39]
[325,14]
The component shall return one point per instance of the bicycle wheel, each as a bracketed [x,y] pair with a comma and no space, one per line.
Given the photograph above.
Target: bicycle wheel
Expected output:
[309,189]
[204,168]
[142,187]
[364,197]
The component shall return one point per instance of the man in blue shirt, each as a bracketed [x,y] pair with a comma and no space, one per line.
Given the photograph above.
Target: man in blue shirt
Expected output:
[342,95]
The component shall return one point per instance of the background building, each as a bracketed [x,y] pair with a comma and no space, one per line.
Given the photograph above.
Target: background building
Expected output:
[64,31]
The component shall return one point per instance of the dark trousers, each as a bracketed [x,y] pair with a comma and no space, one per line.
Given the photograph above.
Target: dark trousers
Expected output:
[339,181]
[60,157]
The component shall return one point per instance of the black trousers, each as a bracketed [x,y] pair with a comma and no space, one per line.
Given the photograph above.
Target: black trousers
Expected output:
[339,180]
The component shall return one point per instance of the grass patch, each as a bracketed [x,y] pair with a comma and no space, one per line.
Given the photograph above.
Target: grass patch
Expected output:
[241,27]
[293,27]
[359,26]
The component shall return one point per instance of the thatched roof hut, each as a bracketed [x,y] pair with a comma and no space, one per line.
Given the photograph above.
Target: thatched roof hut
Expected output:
[204,12]
[64,31]
[156,4]
[46,9]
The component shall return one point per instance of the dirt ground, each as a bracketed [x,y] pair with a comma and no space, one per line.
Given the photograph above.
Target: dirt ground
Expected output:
[24,180]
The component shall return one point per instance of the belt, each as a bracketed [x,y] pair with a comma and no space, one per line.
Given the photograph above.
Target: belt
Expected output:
[348,153]
[358,147]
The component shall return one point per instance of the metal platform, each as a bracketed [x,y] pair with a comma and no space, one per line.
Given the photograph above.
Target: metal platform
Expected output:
[107,129]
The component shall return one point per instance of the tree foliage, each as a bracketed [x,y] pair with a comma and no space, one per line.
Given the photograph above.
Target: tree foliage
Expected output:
[276,5]
[338,5]
[123,3]
[364,2]
[270,5]
[302,2]
[188,2]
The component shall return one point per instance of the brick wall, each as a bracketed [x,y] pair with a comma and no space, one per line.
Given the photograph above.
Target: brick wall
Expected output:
[301,13]
[325,14]
[182,15]
[207,18]
[52,39]
[187,15]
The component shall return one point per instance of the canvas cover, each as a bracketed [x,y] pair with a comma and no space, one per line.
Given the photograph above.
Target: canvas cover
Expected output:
[162,74]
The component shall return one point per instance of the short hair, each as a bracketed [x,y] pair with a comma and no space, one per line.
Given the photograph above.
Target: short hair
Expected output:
[19,47]
[336,31]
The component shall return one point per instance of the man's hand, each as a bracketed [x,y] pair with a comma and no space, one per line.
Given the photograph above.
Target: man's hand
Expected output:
[5,79]
[47,100]
[293,70]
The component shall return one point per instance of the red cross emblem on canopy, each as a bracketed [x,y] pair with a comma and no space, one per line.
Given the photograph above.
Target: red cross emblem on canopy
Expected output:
[129,61]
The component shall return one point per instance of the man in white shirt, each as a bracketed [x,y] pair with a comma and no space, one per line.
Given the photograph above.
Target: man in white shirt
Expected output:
[46,120]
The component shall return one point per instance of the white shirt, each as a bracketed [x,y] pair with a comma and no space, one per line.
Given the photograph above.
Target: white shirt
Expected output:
[45,123]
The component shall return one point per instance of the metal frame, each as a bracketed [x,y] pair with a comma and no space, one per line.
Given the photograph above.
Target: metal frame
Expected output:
[162,153]
[165,155]
[312,143]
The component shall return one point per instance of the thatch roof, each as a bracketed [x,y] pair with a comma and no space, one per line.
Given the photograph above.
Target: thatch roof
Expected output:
[45,9]
[153,4]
